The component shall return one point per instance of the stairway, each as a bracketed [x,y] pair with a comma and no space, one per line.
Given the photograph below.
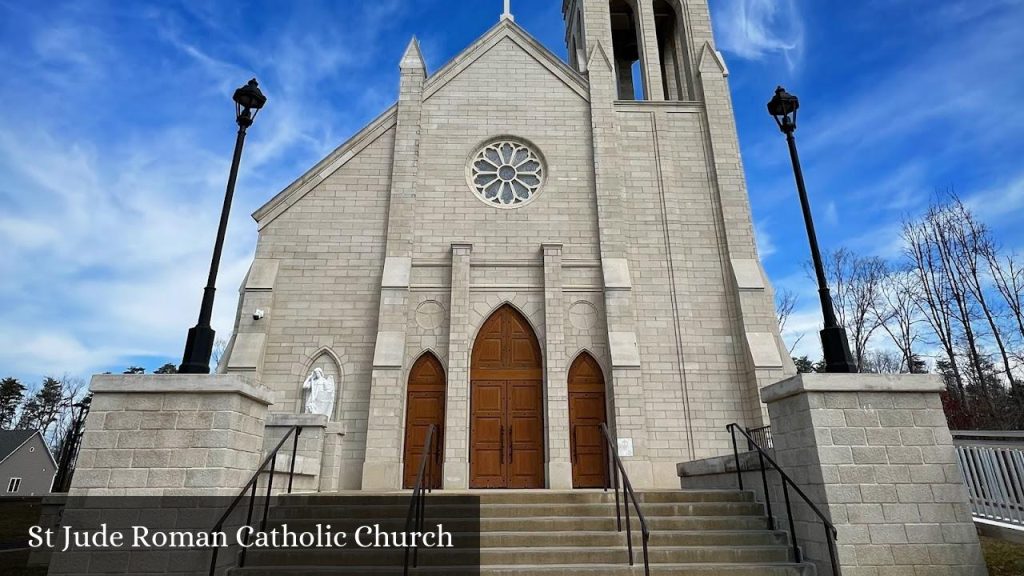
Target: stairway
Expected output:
[543,533]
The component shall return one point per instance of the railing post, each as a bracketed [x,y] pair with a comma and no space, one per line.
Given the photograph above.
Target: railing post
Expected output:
[295,449]
[248,522]
[270,486]
[792,526]
[830,538]
[767,494]
[629,532]
[213,559]
[736,454]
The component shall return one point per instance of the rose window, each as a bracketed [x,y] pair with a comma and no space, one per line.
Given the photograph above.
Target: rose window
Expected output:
[506,174]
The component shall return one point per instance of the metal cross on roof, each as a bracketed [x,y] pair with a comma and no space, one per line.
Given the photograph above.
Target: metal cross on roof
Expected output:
[507,15]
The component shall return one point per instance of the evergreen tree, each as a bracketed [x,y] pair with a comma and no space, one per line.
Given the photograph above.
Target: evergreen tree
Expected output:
[11,394]
[166,369]
[803,364]
[44,407]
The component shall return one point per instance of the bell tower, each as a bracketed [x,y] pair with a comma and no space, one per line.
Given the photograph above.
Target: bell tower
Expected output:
[651,43]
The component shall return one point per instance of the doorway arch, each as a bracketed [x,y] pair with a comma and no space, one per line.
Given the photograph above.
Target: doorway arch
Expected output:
[425,403]
[587,412]
[506,429]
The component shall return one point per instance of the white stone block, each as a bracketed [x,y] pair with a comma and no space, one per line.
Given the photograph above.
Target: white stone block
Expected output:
[396,272]
[764,350]
[247,351]
[262,274]
[624,349]
[616,274]
[748,274]
[389,351]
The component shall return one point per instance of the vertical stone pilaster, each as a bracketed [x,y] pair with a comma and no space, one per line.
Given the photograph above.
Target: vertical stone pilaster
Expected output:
[559,456]
[385,426]
[456,437]
[650,54]
[767,357]
[629,415]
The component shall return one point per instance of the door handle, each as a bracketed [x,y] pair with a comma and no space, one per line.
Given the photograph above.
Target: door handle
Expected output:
[572,443]
[510,447]
[502,433]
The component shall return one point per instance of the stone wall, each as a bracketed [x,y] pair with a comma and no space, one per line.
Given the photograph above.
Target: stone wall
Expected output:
[153,435]
[875,453]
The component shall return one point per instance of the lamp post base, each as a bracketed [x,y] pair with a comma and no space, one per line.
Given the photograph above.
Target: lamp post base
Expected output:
[198,349]
[836,350]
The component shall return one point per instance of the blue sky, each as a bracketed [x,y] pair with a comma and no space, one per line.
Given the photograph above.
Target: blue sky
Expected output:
[117,126]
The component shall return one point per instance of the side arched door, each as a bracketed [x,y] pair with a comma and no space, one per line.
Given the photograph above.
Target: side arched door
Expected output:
[424,406]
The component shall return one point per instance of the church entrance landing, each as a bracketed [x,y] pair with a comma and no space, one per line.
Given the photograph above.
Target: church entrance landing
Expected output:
[506,433]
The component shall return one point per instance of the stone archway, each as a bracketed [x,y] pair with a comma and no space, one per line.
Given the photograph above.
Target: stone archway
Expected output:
[424,406]
[506,431]
[587,412]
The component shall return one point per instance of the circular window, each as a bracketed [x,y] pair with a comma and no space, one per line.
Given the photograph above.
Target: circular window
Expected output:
[506,173]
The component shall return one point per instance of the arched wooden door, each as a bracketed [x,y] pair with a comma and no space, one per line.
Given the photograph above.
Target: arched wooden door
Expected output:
[424,406]
[506,430]
[586,414]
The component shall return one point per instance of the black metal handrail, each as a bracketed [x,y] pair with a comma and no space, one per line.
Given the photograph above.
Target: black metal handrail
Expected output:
[627,490]
[416,504]
[831,534]
[250,486]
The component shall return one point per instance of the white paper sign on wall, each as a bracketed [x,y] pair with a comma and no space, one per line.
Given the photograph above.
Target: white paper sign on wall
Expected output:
[625,447]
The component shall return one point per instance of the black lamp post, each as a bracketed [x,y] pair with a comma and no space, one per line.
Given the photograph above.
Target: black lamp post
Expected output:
[783,107]
[199,346]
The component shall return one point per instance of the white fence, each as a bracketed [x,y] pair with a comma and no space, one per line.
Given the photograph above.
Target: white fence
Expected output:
[993,467]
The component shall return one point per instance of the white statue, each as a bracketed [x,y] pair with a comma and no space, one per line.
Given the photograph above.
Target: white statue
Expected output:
[318,391]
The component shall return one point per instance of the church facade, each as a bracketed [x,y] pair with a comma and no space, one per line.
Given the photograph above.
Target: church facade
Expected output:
[520,250]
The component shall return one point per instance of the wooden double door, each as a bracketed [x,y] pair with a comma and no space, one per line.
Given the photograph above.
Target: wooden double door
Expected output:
[506,405]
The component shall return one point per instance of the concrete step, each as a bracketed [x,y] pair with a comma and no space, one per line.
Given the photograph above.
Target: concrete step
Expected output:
[541,523]
[516,556]
[493,539]
[439,511]
[620,569]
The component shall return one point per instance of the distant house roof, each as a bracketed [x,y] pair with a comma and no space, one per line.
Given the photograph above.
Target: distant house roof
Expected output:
[11,440]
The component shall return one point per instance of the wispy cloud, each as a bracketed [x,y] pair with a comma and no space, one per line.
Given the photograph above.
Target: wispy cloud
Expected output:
[756,29]
[110,205]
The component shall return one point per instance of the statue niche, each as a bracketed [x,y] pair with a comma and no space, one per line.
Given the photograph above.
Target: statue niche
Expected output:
[318,393]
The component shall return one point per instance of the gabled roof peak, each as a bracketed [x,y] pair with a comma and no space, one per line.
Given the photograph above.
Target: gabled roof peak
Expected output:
[507,28]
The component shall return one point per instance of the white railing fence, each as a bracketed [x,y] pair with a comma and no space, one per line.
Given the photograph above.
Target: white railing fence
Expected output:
[993,467]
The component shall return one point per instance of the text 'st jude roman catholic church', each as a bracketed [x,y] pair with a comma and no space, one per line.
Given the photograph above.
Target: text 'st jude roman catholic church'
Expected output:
[520,250]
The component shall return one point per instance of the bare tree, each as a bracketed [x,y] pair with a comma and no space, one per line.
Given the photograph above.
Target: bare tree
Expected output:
[857,288]
[883,362]
[969,241]
[220,345]
[785,302]
[1008,276]
[898,312]
[935,301]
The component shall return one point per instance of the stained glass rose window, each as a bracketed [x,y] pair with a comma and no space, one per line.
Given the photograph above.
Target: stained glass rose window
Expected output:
[506,173]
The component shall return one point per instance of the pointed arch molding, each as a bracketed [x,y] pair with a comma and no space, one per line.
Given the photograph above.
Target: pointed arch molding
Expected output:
[529,308]
[600,359]
[429,351]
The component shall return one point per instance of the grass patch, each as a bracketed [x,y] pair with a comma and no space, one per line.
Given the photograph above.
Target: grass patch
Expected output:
[1003,558]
